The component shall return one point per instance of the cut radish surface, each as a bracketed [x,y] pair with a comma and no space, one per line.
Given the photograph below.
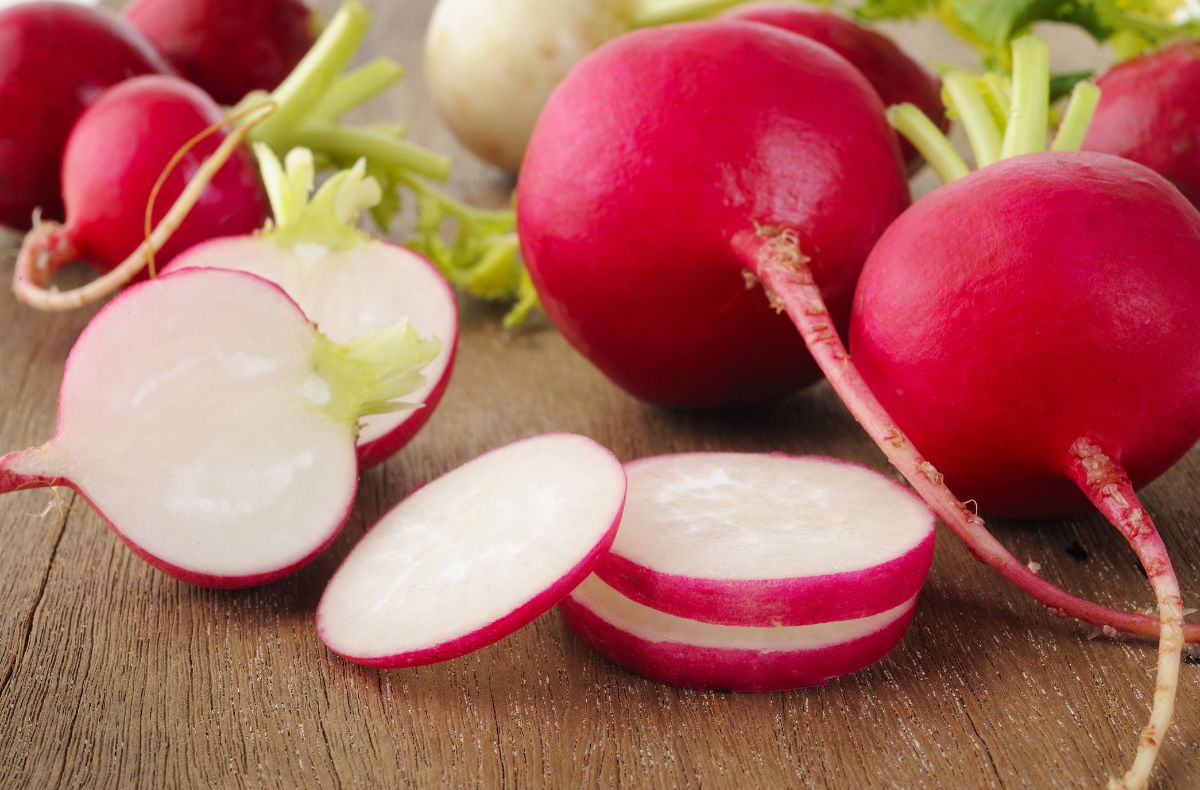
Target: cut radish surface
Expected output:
[476,554]
[213,427]
[761,540]
[687,653]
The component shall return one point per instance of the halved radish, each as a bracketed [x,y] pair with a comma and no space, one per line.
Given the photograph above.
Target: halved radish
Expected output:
[760,540]
[213,427]
[687,653]
[476,554]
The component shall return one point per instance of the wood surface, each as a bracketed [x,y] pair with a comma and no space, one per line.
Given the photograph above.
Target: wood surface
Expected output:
[113,674]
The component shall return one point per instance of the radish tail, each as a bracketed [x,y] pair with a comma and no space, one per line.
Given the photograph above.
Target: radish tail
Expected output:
[11,480]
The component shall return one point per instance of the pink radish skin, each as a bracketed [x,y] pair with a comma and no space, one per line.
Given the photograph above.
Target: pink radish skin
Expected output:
[644,641]
[744,540]
[895,76]
[55,60]
[1148,113]
[227,47]
[627,223]
[476,554]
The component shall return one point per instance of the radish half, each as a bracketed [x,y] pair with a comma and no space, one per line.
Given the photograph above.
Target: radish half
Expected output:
[476,554]
[763,540]
[213,427]
[349,283]
[688,653]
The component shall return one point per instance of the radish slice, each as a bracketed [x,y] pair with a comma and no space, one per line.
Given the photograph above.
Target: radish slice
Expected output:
[761,540]
[476,554]
[687,653]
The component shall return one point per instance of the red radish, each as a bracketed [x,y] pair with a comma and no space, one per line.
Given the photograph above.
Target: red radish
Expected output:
[213,427]
[227,47]
[688,653]
[476,554]
[347,282]
[1148,113]
[645,166]
[895,76]
[767,540]
[55,60]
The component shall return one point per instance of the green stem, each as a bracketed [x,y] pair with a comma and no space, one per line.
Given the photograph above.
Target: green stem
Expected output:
[1084,98]
[967,101]
[1028,117]
[929,140]
[456,208]
[652,13]
[999,97]
[348,144]
[358,87]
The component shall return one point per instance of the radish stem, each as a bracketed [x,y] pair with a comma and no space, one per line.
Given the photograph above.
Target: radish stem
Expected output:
[967,102]
[344,143]
[1027,120]
[929,140]
[652,13]
[1084,99]
[358,87]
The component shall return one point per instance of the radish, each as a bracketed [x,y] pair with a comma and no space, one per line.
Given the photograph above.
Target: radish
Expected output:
[213,427]
[55,59]
[646,167]
[767,540]
[1148,113]
[348,283]
[692,654]
[476,554]
[227,47]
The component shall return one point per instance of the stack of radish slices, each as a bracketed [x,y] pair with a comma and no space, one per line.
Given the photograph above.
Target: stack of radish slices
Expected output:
[731,571]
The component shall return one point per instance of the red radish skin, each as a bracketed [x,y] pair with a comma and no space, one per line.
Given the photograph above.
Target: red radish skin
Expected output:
[1148,113]
[647,162]
[652,653]
[55,60]
[227,47]
[894,74]
[737,514]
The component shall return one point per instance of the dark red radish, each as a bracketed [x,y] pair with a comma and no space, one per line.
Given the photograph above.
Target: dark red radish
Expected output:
[645,166]
[55,60]
[347,282]
[213,427]
[1149,113]
[227,47]
[692,654]
[767,540]
[895,75]
[476,554]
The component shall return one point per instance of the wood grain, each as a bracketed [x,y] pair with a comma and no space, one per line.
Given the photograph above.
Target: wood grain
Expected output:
[112,674]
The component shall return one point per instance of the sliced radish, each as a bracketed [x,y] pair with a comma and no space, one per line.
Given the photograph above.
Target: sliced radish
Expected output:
[476,554]
[760,540]
[213,427]
[687,653]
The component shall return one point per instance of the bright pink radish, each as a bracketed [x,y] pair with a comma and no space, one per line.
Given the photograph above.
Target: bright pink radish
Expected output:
[649,162]
[213,427]
[227,47]
[763,540]
[347,282]
[476,554]
[688,653]
[55,60]
[1149,112]
[895,76]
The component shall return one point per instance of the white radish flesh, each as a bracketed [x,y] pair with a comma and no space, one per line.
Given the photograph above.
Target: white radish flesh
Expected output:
[476,554]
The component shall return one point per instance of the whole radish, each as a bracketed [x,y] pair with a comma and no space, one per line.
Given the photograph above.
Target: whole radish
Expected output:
[227,47]
[1148,112]
[646,168]
[55,60]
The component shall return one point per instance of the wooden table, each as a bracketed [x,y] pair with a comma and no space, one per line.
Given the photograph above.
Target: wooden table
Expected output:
[113,674]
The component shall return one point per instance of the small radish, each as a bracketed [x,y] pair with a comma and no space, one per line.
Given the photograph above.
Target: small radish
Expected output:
[648,164]
[767,540]
[213,427]
[227,47]
[476,554]
[55,60]
[348,283]
[692,654]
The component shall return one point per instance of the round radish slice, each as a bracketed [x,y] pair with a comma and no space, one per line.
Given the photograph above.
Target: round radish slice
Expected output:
[687,653]
[476,554]
[761,540]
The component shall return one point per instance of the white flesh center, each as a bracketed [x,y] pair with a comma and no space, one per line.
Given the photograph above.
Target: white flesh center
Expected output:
[349,294]
[473,546]
[191,417]
[734,516]
[655,626]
